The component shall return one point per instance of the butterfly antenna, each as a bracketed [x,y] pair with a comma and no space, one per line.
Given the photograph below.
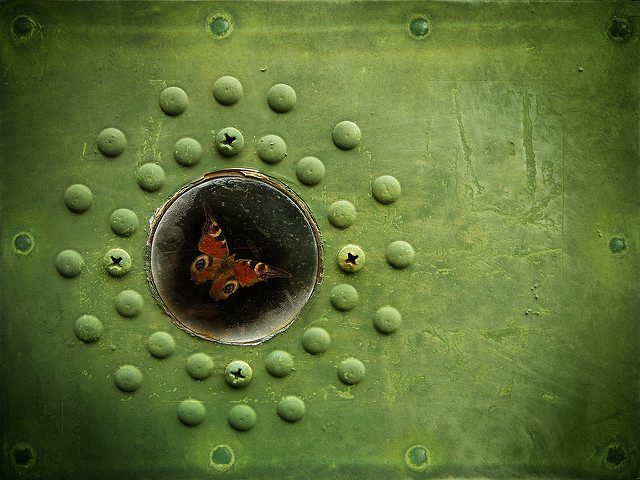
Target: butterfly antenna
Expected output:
[279,272]
[208,214]
[208,219]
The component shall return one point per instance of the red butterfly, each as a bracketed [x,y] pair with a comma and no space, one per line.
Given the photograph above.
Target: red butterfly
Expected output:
[226,273]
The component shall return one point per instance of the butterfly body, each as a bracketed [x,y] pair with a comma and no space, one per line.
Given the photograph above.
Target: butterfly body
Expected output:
[226,273]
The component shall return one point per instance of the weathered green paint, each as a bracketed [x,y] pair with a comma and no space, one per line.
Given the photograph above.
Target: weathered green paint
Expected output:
[512,128]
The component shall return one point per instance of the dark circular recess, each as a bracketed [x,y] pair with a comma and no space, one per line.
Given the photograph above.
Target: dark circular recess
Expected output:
[615,455]
[23,455]
[620,29]
[419,26]
[219,26]
[261,220]
[23,26]
[23,242]
[617,244]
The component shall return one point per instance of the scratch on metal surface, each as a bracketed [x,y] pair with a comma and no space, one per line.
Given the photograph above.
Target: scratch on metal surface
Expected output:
[6,71]
[333,390]
[513,256]
[369,156]
[467,151]
[562,235]
[434,333]
[536,212]
[150,142]
[497,335]
[493,209]
[448,338]
[527,142]
[62,421]
[427,154]
[40,30]
[455,176]
[548,178]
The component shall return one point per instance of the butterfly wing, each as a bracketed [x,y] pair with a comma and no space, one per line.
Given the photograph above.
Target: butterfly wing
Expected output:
[226,274]
[214,249]
[242,273]
[249,272]
[224,283]
[212,241]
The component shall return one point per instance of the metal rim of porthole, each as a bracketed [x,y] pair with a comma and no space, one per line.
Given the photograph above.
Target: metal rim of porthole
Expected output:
[185,322]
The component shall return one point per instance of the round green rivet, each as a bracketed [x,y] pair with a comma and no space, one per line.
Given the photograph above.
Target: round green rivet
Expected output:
[617,244]
[419,27]
[173,101]
[242,417]
[78,198]
[281,98]
[316,340]
[88,328]
[161,344]
[291,408]
[111,142]
[191,412]
[116,262]
[150,177]
[238,373]
[310,171]
[128,378]
[129,303]
[351,371]
[341,214]
[417,458]
[200,366]
[344,297]
[272,149]
[227,90]
[222,458]
[279,363]
[400,254]
[387,319]
[69,263]
[229,141]
[351,258]
[346,135]
[23,242]
[386,189]
[123,222]
[187,151]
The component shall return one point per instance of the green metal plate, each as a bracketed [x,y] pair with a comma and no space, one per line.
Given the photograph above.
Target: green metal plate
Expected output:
[512,130]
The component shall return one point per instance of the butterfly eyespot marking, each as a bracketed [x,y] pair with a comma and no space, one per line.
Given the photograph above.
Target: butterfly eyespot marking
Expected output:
[230,287]
[201,263]
[216,264]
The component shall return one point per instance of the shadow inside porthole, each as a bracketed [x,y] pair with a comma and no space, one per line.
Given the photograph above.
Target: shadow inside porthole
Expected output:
[262,221]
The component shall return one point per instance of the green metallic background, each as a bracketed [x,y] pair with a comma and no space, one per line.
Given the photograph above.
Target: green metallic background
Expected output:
[513,130]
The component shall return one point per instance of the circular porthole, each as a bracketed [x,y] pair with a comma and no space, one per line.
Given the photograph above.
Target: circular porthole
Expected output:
[234,256]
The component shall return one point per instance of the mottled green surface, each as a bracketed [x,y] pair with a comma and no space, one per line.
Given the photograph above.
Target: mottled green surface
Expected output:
[513,131]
